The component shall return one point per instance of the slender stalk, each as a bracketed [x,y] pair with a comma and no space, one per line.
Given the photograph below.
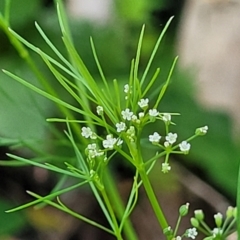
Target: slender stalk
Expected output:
[115,198]
[112,214]
[152,198]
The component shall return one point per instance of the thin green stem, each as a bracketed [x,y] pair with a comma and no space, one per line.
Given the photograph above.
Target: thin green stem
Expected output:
[119,207]
[177,226]
[112,214]
[152,198]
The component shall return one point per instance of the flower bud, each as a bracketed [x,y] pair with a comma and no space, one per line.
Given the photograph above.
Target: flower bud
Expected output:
[229,212]
[194,222]
[201,131]
[168,231]
[218,219]
[183,210]
[199,215]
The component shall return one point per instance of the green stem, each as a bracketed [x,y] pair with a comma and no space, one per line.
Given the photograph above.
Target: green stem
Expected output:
[112,214]
[119,208]
[152,198]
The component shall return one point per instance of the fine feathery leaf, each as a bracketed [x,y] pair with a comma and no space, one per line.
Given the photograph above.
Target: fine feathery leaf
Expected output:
[100,68]
[155,51]
[50,196]
[41,165]
[43,93]
[64,208]
[165,86]
[81,162]
[152,81]
[136,84]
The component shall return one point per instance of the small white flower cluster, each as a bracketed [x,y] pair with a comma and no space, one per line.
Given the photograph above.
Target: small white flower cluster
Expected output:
[110,141]
[92,149]
[127,90]
[191,233]
[141,118]
[166,167]
[171,138]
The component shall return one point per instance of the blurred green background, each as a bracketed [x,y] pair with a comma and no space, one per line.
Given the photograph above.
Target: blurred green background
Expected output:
[214,157]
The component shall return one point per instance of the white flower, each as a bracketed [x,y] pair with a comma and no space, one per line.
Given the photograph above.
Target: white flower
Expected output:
[165,167]
[92,146]
[141,114]
[166,117]
[192,233]
[126,88]
[88,133]
[153,112]
[143,103]
[93,151]
[120,126]
[166,144]
[134,118]
[127,114]
[99,110]
[171,137]
[204,129]
[154,138]
[109,142]
[178,238]
[184,146]
[201,131]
